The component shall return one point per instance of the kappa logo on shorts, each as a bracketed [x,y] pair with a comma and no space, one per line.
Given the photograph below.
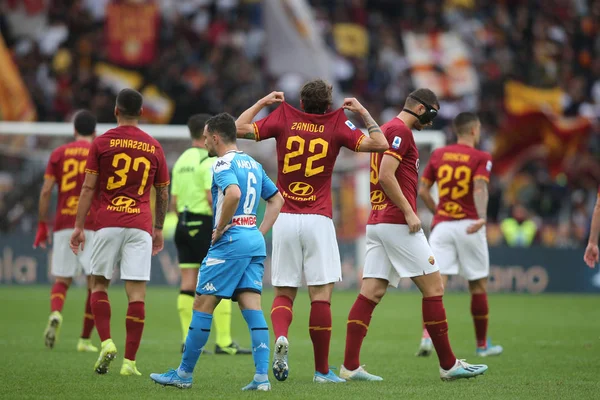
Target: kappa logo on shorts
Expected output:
[377,197]
[301,188]
[209,287]
[123,201]
[431,260]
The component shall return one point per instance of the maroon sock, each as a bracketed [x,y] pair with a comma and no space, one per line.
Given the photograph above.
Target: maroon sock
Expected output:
[479,311]
[281,315]
[101,311]
[57,296]
[88,318]
[434,316]
[359,319]
[134,325]
[319,326]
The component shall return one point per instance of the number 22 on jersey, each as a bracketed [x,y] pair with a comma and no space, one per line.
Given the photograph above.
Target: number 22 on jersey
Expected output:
[122,173]
[317,147]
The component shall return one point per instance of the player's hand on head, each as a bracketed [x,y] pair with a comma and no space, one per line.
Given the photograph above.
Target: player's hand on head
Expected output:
[77,240]
[592,255]
[414,223]
[273,97]
[158,241]
[352,104]
[476,226]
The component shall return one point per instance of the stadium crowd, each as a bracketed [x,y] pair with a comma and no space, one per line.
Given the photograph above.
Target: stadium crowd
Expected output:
[208,58]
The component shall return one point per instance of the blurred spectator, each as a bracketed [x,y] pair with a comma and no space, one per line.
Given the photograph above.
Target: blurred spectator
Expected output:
[519,230]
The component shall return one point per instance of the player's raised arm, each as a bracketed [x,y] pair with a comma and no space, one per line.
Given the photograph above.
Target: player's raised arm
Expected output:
[592,255]
[244,126]
[376,141]
[391,187]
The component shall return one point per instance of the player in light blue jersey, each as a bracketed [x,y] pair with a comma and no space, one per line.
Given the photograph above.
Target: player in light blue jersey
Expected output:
[233,267]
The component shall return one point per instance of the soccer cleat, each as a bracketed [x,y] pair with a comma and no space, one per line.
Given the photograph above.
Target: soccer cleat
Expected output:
[359,374]
[52,329]
[86,345]
[462,370]
[107,354]
[232,349]
[331,377]
[260,386]
[489,350]
[426,348]
[280,359]
[129,368]
[172,378]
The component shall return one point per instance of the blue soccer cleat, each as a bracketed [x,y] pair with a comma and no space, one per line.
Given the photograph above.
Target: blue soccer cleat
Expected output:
[260,386]
[330,377]
[489,350]
[280,359]
[462,370]
[172,378]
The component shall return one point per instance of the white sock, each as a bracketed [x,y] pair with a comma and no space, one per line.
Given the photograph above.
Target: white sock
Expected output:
[182,374]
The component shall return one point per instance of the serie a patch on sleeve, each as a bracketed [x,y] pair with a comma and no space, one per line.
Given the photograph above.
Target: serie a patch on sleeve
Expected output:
[396,142]
[488,166]
[350,125]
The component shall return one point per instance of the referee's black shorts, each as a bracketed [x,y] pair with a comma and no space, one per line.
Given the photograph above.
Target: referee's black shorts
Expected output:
[192,239]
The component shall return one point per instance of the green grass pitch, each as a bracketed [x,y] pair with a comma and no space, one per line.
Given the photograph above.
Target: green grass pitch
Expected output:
[551,344]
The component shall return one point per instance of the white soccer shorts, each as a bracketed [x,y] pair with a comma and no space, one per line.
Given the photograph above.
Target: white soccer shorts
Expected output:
[65,263]
[304,245]
[459,253]
[130,247]
[393,253]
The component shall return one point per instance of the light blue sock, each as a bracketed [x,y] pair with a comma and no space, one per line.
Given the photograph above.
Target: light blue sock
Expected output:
[259,332]
[196,339]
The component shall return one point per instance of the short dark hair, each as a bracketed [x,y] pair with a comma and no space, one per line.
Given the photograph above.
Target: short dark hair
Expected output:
[463,122]
[84,123]
[316,96]
[129,103]
[223,125]
[196,124]
[425,95]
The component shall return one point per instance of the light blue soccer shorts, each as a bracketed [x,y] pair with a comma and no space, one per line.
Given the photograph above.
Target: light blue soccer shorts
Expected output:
[227,278]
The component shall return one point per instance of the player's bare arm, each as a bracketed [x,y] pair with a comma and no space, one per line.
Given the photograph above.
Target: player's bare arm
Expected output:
[376,141]
[42,238]
[274,205]
[230,204]
[480,198]
[83,208]
[245,129]
[592,255]
[391,187]
[160,213]
[425,195]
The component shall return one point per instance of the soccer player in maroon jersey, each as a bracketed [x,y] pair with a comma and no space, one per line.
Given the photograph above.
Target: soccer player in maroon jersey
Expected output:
[396,245]
[66,170]
[304,240]
[458,237]
[592,255]
[124,163]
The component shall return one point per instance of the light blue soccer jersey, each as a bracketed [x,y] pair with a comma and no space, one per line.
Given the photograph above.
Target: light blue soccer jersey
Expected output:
[243,239]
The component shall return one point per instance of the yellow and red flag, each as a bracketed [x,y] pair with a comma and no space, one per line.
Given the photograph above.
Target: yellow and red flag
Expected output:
[15,102]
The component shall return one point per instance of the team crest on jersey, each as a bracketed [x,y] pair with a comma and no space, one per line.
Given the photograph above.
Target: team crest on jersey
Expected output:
[350,125]
[396,142]
[222,165]
[431,260]
[488,166]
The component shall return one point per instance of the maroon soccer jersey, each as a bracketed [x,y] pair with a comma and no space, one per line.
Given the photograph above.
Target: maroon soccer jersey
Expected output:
[403,148]
[67,167]
[307,147]
[128,163]
[454,168]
